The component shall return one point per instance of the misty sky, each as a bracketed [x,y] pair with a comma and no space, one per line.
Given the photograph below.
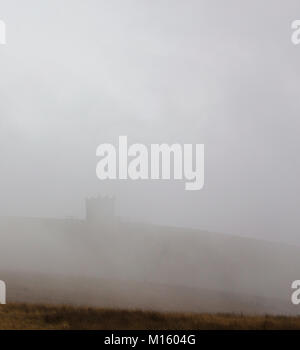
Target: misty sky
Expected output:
[75,74]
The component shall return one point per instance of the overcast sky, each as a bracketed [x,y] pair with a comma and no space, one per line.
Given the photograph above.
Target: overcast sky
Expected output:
[75,74]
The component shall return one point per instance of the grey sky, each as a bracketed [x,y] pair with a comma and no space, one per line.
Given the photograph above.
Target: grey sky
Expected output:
[75,74]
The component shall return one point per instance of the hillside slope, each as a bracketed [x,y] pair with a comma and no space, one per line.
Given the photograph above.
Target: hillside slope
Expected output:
[145,266]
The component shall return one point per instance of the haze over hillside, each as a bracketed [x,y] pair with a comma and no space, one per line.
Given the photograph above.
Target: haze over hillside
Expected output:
[143,265]
[78,74]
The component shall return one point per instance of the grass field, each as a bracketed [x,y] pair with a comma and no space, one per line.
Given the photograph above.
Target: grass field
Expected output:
[27,316]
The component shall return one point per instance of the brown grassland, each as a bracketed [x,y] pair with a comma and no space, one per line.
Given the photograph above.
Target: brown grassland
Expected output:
[47,317]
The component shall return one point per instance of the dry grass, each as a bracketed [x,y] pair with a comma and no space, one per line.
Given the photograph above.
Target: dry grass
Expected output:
[27,316]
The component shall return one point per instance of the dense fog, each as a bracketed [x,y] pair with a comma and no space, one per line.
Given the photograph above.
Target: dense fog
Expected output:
[77,74]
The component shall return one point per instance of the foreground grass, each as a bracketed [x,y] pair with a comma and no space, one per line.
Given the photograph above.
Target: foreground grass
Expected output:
[27,316]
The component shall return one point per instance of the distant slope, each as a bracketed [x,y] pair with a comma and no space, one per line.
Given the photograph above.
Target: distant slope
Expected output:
[35,288]
[162,268]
